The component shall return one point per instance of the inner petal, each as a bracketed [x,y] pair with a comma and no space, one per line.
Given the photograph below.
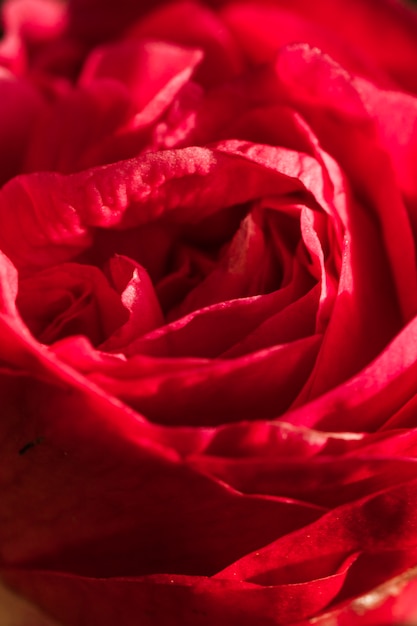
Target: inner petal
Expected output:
[70,299]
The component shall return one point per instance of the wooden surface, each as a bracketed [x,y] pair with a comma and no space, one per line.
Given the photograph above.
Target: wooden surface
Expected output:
[15,611]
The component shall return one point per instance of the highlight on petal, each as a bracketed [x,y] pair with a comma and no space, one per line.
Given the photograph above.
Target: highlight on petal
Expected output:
[36,20]
[53,214]
[8,286]
[29,26]
[14,334]
[393,600]
[137,295]
[153,73]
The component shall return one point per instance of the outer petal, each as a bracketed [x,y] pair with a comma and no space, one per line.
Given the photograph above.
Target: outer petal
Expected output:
[374,28]
[123,89]
[370,397]
[322,91]
[262,583]
[193,24]
[263,28]
[377,28]
[395,117]
[105,526]
[393,602]
[29,24]
[168,600]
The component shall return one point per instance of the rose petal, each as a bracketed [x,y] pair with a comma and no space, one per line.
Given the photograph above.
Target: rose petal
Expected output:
[376,524]
[97,529]
[20,107]
[391,602]
[213,331]
[370,397]
[72,126]
[317,85]
[148,69]
[70,299]
[395,116]
[378,28]
[191,24]
[193,601]
[138,297]
[95,20]
[255,386]
[53,214]
[322,481]
[29,23]
[263,30]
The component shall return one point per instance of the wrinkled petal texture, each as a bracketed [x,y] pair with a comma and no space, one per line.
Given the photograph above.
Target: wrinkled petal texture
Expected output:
[208,313]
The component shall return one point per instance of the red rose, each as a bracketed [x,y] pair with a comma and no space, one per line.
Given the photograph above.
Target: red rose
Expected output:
[208,313]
